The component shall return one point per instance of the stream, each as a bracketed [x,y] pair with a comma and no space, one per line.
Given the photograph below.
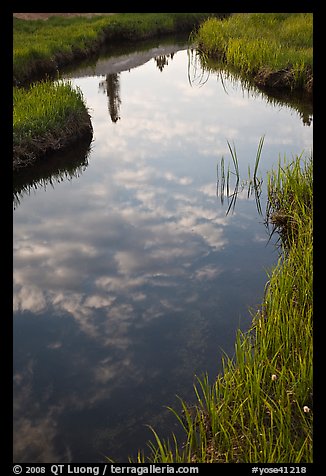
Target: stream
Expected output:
[130,277]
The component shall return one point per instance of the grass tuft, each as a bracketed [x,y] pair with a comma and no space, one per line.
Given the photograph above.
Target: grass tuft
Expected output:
[46,116]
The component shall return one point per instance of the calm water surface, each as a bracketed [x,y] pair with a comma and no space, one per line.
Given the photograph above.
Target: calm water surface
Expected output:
[129,277]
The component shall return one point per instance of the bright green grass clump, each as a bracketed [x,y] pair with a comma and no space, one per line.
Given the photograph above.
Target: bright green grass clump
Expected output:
[259,410]
[262,42]
[45,117]
[54,102]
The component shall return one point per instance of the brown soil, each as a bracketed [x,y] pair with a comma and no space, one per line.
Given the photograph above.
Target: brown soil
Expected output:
[283,78]
[45,16]
[76,128]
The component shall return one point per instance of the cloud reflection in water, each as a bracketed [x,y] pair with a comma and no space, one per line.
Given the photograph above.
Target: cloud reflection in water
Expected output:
[128,280]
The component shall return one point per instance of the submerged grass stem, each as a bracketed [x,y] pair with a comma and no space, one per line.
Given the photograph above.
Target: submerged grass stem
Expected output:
[253,183]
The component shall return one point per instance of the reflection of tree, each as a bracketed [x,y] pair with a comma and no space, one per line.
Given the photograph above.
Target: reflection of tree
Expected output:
[162,60]
[306,118]
[112,87]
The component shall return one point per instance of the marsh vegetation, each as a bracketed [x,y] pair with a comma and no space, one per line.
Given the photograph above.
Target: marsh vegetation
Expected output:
[274,50]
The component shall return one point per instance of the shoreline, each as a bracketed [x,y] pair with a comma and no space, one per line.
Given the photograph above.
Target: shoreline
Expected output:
[65,39]
[25,156]
[273,50]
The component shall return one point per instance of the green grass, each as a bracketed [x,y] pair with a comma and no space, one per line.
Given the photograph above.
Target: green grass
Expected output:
[259,409]
[44,46]
[259,44]
[46,116]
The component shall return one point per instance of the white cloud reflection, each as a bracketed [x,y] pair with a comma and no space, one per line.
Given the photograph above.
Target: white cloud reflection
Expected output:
[128,242]
[29,298]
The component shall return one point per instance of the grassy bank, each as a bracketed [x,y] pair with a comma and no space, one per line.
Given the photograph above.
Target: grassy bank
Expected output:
[273,49]
[44,46]
[47,116]
[259,410]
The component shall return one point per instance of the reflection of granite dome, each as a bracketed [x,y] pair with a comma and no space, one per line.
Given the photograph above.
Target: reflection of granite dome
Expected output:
[126,62]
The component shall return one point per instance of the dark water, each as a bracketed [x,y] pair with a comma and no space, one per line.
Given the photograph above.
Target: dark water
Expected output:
[129,277]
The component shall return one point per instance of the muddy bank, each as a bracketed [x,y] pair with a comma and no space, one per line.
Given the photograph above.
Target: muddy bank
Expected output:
[68,163]
[282,79]
[28,153]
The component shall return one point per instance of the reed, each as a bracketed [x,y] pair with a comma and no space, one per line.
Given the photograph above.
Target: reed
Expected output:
[259,409]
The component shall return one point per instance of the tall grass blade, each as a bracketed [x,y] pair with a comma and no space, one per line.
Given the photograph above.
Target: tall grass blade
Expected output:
[258,155]
[234,159]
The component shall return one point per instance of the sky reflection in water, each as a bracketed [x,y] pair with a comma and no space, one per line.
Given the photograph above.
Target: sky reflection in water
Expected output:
[129,278]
